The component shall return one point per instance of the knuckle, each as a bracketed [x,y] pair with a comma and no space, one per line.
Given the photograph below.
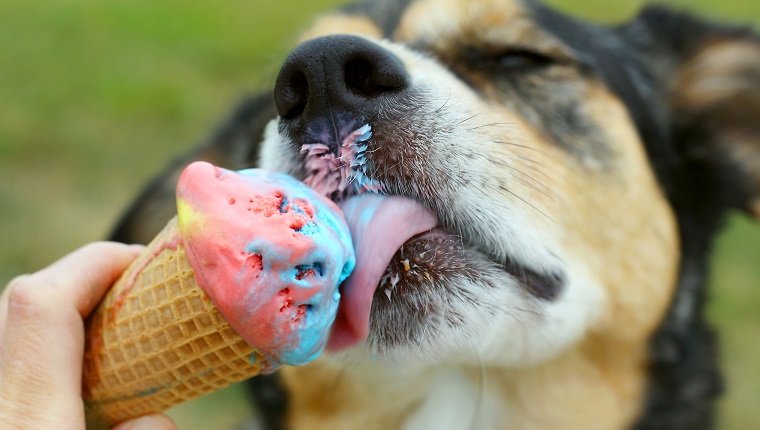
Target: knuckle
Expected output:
[20,279]
[23,290]
[29,293]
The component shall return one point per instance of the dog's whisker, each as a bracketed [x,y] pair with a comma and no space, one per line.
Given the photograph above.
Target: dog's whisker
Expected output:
[481,385]
[444,103]
[532,182]
[527,311]
[495,124]
[511,142]
[469,118]
[529,204]
[546,191]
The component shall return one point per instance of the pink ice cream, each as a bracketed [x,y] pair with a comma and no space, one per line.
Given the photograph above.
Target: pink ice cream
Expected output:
[269,252]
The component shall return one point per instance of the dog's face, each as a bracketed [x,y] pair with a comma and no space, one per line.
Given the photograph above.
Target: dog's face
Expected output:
[551,224]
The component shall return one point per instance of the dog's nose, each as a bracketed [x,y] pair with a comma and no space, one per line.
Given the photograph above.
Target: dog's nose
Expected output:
[336,73]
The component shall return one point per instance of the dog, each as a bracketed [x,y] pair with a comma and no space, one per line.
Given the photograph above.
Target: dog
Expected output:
[578,174]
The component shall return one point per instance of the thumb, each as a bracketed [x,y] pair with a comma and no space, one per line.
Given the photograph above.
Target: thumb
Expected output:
[148,422]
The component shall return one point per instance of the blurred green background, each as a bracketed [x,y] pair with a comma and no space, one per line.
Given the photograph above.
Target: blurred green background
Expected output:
[96,96]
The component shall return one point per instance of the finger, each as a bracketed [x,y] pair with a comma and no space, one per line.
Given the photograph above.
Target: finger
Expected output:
[81,284]
[148,422]
[83,276]
[44,333]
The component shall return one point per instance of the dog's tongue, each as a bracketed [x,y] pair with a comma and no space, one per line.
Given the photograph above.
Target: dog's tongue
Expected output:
[379,226]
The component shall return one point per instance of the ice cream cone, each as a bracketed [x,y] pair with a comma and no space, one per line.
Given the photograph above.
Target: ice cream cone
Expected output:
[157,340]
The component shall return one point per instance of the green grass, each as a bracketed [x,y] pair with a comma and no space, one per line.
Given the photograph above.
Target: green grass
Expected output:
[96,96]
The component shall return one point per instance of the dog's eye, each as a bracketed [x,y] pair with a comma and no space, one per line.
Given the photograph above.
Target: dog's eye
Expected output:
[521,59]
[510,60]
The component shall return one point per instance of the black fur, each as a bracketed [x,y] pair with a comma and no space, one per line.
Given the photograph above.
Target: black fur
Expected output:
[685,379]
[271,400]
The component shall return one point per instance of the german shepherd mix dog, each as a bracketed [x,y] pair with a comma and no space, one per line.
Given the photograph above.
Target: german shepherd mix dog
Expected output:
[578,174]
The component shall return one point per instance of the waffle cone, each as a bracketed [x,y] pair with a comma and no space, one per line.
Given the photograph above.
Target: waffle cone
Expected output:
[157,340]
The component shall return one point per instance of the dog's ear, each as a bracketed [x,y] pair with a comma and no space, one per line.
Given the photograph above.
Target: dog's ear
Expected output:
[712,82]
[234,146]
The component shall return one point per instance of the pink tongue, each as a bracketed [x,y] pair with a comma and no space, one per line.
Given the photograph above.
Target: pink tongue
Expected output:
[379,226]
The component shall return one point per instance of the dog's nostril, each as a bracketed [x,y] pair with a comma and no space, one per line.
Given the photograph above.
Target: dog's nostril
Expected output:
[291,99]
[366,79]
[337,73]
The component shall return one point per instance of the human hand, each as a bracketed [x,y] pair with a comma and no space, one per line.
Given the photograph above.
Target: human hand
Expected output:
[42,340]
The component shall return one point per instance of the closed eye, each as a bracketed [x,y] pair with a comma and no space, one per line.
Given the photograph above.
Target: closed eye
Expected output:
[521,59]
[510,60]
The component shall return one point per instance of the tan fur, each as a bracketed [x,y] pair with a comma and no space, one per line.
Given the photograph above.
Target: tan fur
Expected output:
[624,201]
[329,396]
[486,24]
[342,24]
[430,20]
[715,75]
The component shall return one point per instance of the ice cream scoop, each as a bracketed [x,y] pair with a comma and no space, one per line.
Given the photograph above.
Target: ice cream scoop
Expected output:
[270,254]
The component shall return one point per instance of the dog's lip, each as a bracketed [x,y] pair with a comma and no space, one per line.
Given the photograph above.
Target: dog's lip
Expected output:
[379,226]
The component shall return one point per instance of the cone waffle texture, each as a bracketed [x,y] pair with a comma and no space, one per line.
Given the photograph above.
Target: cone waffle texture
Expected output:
[157,340]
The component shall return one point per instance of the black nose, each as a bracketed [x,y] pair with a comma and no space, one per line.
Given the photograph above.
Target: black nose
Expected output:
[336,73]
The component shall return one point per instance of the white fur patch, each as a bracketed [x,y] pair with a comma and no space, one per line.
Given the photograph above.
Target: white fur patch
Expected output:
[454,402]
[272,150]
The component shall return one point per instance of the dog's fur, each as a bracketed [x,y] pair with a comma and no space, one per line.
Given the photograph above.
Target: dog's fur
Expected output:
[580,173]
